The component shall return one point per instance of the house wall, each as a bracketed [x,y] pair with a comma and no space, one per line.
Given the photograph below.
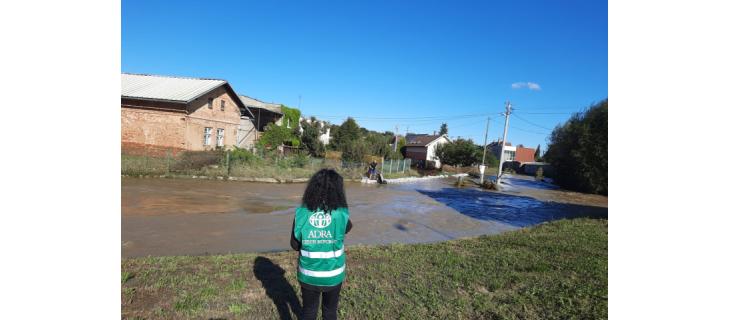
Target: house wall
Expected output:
[325,137]
[247,133]
[431,153]
[176,126]
[416,153]
[148,125]
[525,155]
[200,116]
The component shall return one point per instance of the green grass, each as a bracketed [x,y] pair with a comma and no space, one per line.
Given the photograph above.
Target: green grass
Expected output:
[155,166]
[556,270]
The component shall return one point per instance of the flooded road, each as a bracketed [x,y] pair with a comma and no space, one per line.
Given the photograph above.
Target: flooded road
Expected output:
[193,217]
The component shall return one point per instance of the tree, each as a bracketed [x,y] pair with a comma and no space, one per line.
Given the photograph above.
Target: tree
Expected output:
[310,139]
[537,154]
[578,151]
[489,159]
[444,129]
[354,151]
[348,132]
[275,136]
[458,153]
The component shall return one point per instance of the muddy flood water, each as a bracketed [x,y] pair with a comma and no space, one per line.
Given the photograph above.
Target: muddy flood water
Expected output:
[162,217]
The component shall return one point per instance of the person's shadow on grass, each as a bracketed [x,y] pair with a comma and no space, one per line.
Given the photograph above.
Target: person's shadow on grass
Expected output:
[277,287]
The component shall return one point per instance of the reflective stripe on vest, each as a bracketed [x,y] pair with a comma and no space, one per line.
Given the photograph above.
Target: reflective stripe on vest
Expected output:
[323,255]
[321,274]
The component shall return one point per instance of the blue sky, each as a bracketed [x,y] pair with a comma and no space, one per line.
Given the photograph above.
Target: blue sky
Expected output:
[413,64]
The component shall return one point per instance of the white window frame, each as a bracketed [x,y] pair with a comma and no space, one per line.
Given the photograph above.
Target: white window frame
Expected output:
[220,134]
[510,155]
[207,131]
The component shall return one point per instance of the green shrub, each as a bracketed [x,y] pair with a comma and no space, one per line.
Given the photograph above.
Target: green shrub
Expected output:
[461,152]
[239,155]
[300,160]
[354,151]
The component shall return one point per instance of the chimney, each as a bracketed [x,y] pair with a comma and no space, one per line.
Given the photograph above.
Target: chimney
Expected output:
[434,132]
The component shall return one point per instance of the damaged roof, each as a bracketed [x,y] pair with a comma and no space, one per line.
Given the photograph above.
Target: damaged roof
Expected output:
[255,103]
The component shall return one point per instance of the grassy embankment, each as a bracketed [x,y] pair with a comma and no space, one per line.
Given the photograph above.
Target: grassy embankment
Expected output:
[282,169]
[556,270]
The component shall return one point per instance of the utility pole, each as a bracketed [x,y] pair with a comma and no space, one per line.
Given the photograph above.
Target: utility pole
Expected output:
[508,111]
[395,142]
[484,154]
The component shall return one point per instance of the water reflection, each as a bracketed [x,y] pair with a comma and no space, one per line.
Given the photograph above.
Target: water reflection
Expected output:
[518,211]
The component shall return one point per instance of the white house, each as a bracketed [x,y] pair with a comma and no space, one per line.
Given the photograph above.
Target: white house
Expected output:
[423,147]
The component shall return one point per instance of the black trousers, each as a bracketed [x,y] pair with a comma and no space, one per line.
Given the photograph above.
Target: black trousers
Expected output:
[310,301]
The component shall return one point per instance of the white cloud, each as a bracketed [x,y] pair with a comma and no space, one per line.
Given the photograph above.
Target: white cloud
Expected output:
[529,85]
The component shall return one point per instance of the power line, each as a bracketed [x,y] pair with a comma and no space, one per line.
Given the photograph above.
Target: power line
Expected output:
[528,131]
[532,123]
[405,118]
[540,113]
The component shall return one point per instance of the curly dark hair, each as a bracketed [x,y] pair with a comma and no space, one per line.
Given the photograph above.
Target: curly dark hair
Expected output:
[325,191]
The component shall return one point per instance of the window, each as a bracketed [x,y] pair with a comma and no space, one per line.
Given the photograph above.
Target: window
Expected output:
[509,155]
[219,138]
[223,105]
[206,135]
[210,103]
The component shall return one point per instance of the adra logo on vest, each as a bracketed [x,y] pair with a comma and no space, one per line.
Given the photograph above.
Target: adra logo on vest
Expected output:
[320,220]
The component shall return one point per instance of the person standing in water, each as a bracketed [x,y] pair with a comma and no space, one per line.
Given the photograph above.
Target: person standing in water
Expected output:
[318,233]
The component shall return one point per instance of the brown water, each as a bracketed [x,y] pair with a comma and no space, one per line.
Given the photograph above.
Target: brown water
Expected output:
[194,217]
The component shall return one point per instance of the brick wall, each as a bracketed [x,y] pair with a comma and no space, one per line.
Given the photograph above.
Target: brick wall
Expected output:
[154,125]
[158,128]
[200,117]
[523,155]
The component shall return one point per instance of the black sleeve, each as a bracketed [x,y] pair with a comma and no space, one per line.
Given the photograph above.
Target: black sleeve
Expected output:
[349,226]
[295,244]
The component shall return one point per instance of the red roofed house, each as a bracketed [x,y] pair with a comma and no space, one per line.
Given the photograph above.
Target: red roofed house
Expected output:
[511,153]
[523,154]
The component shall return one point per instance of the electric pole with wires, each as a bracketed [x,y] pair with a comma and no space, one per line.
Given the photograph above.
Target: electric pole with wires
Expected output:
[483,168]
[508,111]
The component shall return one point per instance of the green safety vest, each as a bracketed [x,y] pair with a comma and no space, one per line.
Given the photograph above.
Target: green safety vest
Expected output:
[322,253]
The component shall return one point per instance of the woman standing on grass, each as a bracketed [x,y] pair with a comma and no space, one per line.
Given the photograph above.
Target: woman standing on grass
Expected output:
[318,233]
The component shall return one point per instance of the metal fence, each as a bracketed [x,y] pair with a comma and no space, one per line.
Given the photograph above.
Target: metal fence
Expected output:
[397,165]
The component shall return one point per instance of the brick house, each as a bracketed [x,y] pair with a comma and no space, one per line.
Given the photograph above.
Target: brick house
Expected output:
[164,113]
[523,155]
[422,148]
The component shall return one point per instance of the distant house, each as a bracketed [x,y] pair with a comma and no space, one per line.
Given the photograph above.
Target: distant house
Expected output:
[517,154]
[524,155]
[496,148]
[422,147]
[324,137]
[263,113]
[165,113]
